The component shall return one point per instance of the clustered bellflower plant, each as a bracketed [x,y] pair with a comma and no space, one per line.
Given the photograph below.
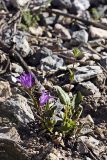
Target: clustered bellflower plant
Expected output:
[46,110]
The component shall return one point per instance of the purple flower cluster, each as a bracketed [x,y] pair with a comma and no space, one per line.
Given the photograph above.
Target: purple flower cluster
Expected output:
[44,98]
[26,80]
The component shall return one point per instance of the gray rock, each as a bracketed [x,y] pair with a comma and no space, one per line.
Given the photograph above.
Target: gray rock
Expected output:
[21,43]
[81,148]
[17,107]
[80,36]
[5,90]
[88,88]
[9,133]
[51,63]
[86,73]
[81,5]
[94,144]
[35,59]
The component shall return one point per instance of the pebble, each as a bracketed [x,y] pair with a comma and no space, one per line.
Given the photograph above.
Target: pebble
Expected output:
[80,36]
[65,34]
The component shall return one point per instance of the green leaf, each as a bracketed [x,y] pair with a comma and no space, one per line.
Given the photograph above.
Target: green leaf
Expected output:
[71,75]
[77,113]
[77,53]
[70,124]
[63,96]
[77,98]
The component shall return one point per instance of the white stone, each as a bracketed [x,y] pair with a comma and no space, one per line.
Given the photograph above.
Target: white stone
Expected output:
[17,3]
[98,32]
[65,34]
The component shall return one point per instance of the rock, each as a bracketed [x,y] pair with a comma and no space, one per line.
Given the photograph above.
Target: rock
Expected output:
[36,31]
[86,73]
[65,34]
[62,3]
[88,125]
[93,144]
[55,155]
[103,62]
[21,43]
[80,37]
[17,3]
[52,156]
[51,63]
[9,133]
[5,90]
[17,107]
[81,148]
[11,150]
[35,59]
[88,88]
[48,20]
[98,32]
[99,81]
[16,68]
[104,20]
[81,5]
[95,57]
[87,158]
[58,114]
[4,63]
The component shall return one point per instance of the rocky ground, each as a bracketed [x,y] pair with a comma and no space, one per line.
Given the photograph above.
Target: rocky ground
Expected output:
[49,38]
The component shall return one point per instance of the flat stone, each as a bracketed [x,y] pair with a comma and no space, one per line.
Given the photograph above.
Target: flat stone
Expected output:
[88,88]
[80,36]
[86,73]
[98,32]
[51,63]
[16,107]
[9,133]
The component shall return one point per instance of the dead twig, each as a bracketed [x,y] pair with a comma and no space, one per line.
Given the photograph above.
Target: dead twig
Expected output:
[87,22]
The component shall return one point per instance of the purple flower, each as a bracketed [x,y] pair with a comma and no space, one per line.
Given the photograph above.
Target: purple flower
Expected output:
[44,98]
[26,80]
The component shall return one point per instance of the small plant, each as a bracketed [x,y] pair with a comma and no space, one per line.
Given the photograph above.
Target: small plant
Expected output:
[28,20]
[77,53]
[95,14]
[69,122]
